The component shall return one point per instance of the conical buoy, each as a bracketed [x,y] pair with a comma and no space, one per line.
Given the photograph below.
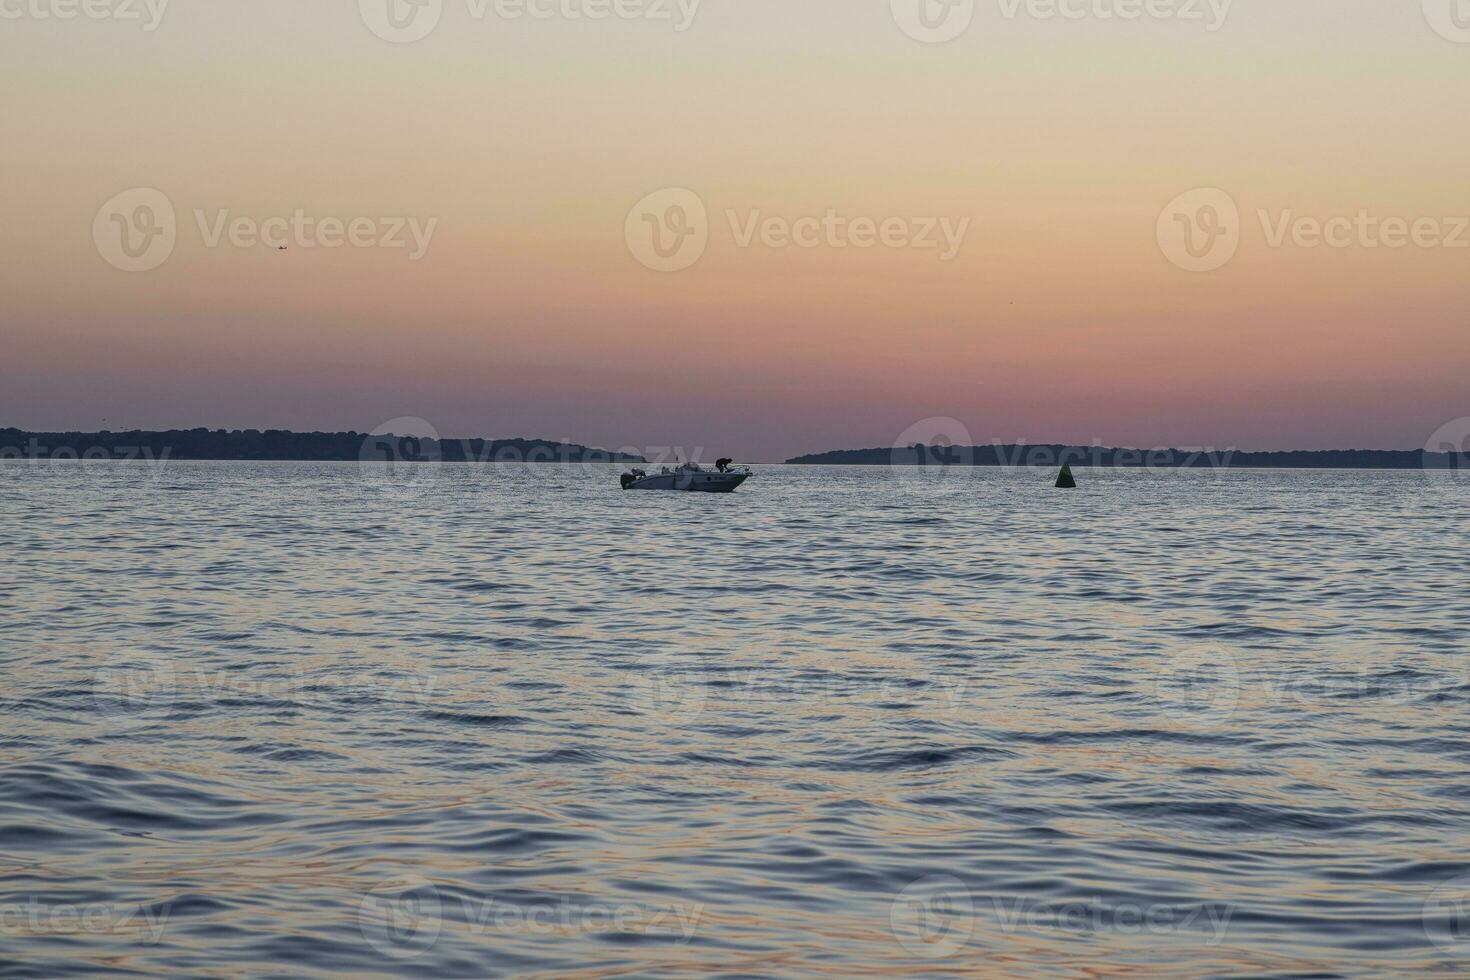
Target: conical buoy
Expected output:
[1065,480]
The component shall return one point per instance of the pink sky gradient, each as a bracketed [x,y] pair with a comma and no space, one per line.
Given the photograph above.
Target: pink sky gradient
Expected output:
[1060,319]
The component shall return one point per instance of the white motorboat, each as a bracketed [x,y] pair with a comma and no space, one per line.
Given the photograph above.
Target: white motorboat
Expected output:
[691,477]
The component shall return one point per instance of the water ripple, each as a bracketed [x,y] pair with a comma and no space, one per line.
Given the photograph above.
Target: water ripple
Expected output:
[296,719]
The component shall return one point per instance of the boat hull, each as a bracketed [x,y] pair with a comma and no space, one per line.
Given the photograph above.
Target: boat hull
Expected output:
[701,482]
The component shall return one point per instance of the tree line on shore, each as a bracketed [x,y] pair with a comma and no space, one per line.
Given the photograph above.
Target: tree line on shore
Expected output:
[281,444]
[1051,455]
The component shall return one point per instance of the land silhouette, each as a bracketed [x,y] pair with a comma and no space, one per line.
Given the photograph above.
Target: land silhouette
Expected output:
[286,445]
[280,444]
[1056,454]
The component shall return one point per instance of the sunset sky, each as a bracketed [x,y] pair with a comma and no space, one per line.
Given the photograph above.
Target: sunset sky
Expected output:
[528,141]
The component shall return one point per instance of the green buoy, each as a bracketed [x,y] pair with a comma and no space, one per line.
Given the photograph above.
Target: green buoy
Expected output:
[1065,480]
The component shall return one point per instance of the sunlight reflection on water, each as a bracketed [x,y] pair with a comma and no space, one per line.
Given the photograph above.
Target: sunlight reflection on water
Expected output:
[511,719]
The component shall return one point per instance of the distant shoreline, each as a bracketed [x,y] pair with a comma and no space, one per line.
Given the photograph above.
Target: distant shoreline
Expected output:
[1056,454]
[280,445]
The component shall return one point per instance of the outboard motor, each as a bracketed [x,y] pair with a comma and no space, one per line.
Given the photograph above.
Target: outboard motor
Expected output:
[628,480]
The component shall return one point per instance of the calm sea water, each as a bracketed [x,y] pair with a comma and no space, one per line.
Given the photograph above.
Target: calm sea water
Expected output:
[285,719]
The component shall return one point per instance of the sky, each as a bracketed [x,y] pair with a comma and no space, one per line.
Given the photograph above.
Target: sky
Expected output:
[1145,223]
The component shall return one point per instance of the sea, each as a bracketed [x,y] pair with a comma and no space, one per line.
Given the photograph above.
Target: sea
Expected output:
[439,720]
